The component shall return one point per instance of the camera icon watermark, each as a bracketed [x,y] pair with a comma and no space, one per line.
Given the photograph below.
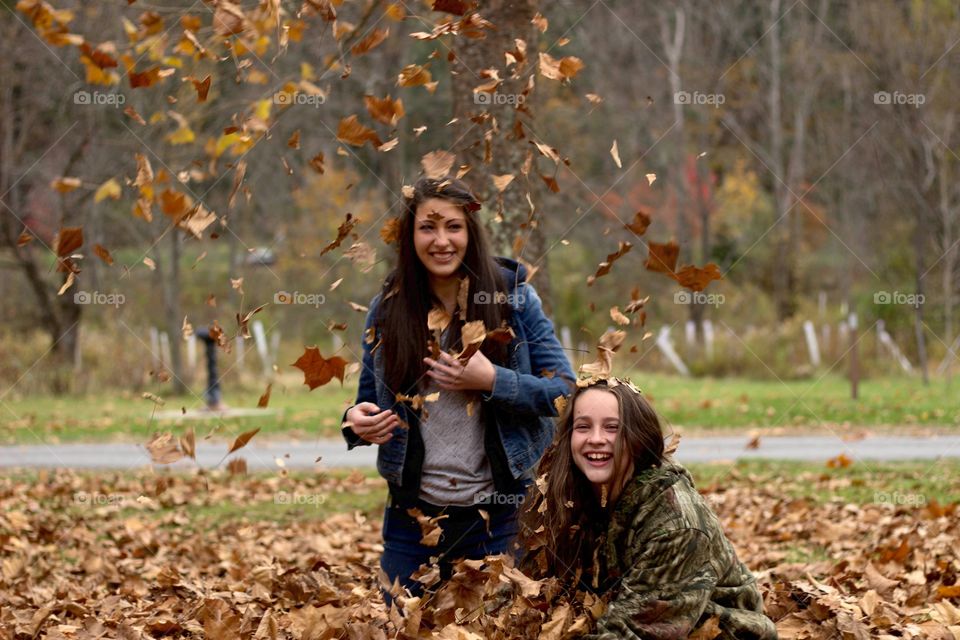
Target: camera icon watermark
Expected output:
[498,297]
[97,297]
[298,98]
[497,98]
[698,297]
[699,99]
[97,499]
[99,98]
[896,297]
[900,499]
[898,97]
[311,299]
[300,499]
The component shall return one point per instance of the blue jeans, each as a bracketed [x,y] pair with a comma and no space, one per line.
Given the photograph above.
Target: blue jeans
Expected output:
[464,536]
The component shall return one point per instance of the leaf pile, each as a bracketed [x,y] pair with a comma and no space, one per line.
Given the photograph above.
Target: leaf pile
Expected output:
[131,556]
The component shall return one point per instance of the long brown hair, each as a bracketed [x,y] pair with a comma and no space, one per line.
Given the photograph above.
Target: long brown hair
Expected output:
[573,518]
[407,297]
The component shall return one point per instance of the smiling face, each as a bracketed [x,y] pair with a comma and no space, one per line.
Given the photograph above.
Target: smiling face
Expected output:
[596,424]
[440,237]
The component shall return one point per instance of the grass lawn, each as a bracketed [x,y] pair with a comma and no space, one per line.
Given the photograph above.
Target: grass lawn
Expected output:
[694,404]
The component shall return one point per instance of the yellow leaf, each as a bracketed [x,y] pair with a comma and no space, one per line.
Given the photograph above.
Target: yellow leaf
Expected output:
[183,135]
[109,189]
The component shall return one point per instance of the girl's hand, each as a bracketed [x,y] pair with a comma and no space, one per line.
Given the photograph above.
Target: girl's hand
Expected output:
[370,423]
[477,375]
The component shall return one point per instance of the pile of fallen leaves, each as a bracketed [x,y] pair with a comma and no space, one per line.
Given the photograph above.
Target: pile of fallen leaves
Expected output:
[128,556]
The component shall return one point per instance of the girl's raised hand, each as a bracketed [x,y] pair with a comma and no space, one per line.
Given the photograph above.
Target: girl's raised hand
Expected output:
[370,423]
[477,375]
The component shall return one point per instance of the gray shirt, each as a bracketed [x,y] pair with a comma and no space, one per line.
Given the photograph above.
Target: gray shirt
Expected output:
[456,470]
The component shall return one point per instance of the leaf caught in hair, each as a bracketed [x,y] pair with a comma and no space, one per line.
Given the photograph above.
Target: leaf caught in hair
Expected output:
[317,370]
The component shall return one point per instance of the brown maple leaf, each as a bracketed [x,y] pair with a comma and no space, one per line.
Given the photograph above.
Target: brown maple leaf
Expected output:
[317,370]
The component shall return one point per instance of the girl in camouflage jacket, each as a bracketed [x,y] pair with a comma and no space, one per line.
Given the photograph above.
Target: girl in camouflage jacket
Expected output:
[622,520]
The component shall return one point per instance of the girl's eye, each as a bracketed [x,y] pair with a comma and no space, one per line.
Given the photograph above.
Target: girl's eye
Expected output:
[612,427]
[580,427]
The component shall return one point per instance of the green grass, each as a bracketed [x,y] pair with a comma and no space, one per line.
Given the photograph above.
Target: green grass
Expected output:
[734,405]
[907,483]
[713,403]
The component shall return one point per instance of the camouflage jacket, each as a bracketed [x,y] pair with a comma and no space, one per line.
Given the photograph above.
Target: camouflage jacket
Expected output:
[671,568]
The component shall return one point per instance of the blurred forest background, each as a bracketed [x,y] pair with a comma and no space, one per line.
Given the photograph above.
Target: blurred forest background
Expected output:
[210,152]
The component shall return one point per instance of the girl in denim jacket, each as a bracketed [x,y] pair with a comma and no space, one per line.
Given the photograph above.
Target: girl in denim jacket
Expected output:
[458,437]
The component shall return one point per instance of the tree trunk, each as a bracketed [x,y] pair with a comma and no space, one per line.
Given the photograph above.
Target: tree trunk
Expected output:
[499,144]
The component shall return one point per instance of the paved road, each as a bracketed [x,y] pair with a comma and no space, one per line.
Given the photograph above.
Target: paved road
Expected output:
[333,453]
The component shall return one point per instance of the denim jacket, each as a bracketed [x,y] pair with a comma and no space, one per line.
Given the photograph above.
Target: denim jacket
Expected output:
[517,414]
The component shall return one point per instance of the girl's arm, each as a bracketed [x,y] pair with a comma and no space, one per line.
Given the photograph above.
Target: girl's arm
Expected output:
[533,393]
[665,591]
[367,388]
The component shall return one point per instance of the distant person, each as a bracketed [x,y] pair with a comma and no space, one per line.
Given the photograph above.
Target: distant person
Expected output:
[475,446]
[625,522]
[212,394]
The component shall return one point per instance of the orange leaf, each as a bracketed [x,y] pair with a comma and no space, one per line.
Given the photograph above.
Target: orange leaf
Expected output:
[662,257]
[317,370]
[242,440]
[696,278]
[356,134]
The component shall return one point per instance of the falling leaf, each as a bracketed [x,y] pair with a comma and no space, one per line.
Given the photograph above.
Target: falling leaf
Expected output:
[316,163]
[385,110]
[352,132]
[696,278]
[242,440]
[69,239]
[562,69]
[502,182]
[390,230]
[604,267]
[617,316]
[370,41]
[164,448]
[650,178]
[188,443]
[202,87]
[342,231]
[641,220]
[413,75]
[103,254]
[317,370]
[65,184]
[662,258]
[437,164]
[607,346]
[109,189]
[615,154]
[294,142]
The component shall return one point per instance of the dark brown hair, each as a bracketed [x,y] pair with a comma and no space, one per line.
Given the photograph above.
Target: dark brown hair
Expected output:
[565,546]
[407,297]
